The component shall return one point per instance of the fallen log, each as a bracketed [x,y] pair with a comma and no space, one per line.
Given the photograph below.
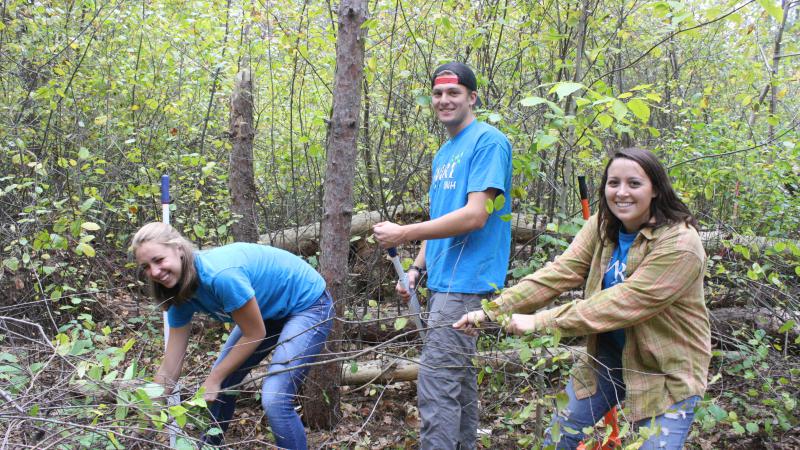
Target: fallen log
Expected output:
[304,239]
[394,370]
[771,321]
[391,370]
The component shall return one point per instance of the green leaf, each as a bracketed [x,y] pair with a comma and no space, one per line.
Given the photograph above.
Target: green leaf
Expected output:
[183,443]
[717,412]
[489,204]
[197,400]
[423,100]
[525,354]
[152,390]
[639,109]
[797,270]
[400,323]
[199,230]
[751,427]
[499,202]
[9,357]
[111,376]
[653,97]
[566,88]
[772,9]
[83,153]
[12,263]
[562,399]
[708,192]
[619,109]
[128,345]
[532,101]
[177,410]
[495,117]
[787,326]
[90,226]
[605,120]
[545,140]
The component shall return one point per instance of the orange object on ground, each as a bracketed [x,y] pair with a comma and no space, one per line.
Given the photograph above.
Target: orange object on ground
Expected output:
[614,440]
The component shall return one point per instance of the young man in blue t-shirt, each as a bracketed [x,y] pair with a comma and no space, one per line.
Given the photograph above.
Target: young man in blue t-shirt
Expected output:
[465,251]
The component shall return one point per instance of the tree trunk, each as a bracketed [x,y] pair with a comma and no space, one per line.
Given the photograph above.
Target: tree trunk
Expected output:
[321,404]
[241,181]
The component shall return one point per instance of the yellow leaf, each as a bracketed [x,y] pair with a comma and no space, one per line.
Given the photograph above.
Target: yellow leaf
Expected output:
[85,249]
[100,120]
[90,226]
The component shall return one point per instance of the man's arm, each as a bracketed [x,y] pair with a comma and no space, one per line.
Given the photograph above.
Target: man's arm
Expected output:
[469,217]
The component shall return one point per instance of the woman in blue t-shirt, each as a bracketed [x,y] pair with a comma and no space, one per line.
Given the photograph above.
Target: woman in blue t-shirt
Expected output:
[277,301]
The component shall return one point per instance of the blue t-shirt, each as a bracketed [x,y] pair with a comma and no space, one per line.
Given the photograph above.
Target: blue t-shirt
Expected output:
[476,159]
[615,274]
[229,276]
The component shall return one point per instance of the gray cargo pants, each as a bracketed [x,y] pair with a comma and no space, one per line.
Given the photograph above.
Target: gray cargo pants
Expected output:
[447,388]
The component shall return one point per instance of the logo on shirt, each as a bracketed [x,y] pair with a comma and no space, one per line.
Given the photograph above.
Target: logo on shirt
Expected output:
[445,172]
[617,269]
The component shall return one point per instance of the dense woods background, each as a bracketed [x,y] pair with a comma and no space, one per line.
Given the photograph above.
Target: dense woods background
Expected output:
[98,99]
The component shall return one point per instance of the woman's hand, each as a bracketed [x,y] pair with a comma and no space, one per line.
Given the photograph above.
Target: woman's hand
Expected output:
[521,323]
[470,323]
[212,390]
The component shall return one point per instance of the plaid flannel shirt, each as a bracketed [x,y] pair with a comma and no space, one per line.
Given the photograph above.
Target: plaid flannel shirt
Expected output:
[660,305]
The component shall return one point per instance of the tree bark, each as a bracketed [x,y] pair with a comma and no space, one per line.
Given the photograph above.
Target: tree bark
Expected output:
[321,404]
[242,182]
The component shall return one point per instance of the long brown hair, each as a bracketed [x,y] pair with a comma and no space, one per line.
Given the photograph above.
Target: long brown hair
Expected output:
[165,234]
[665,209]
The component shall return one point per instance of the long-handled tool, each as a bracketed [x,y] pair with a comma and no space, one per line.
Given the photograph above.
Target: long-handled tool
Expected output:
[584,196]
[413,303]
[610,419]
[174,398]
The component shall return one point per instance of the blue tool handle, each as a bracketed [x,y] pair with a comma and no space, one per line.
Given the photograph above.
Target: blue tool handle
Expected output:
[164,189]
[392,252]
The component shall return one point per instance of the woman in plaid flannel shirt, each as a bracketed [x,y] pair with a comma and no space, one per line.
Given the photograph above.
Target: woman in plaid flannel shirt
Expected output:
[649,339]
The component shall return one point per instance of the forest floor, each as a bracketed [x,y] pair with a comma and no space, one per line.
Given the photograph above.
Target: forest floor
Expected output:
[386,416]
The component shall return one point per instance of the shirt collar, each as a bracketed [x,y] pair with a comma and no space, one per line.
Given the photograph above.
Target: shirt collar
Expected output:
[648,233]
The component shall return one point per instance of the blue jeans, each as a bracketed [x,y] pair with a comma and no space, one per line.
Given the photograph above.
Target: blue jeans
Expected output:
[296,340]
[674,424]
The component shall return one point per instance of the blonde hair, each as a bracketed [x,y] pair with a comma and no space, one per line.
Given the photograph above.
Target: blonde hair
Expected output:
[165,234]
